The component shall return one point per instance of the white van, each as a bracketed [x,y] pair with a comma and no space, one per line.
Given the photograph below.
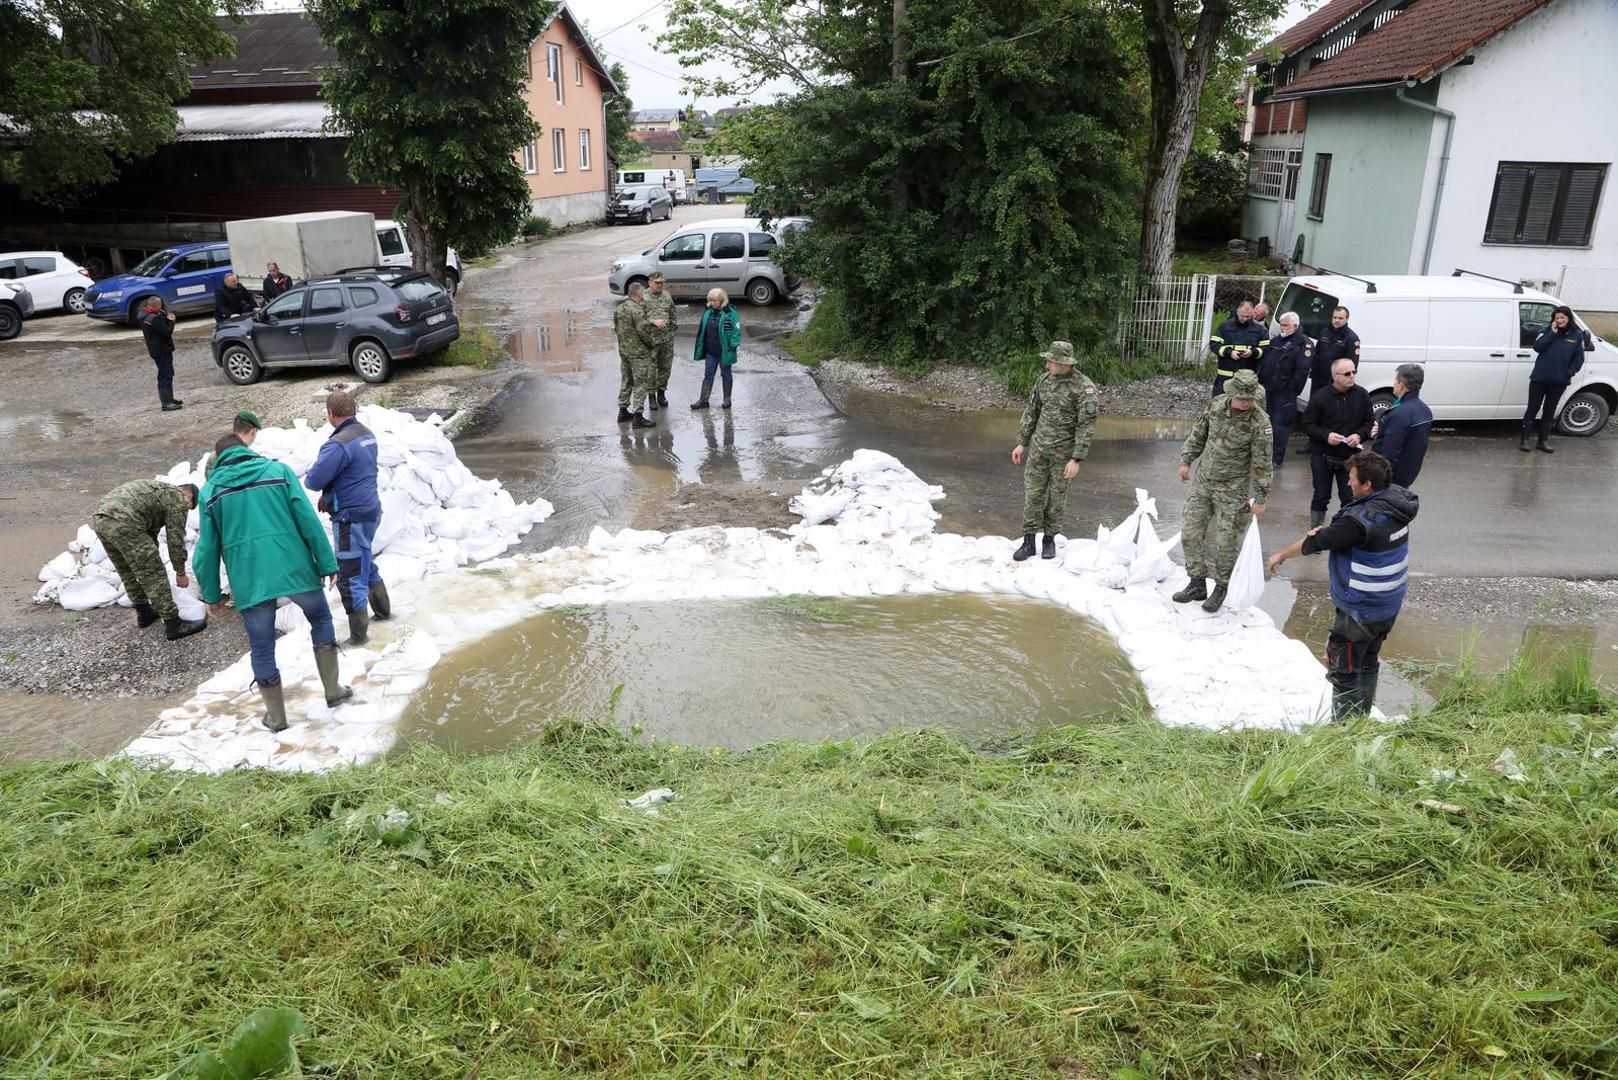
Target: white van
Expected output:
[734,254]
[670,180]
[393,249]
[1473,334]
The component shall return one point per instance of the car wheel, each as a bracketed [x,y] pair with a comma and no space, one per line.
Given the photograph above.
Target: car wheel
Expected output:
[1381,402]
[1585,414]
[10,322]
[452,283]
[761,291]
[629,286]
[371,362]
[646,216]
[132,316]
[241,366]
[74,301]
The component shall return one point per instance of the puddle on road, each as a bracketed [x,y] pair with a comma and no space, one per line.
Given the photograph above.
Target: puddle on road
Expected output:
[738,673]
[23,427]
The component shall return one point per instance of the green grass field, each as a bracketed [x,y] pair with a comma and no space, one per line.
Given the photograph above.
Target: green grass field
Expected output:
[1114,900]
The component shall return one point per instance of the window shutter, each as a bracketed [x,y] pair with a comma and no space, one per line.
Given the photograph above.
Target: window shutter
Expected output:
[1510,185]
[1540,205]
[1579,206]
[1317,188]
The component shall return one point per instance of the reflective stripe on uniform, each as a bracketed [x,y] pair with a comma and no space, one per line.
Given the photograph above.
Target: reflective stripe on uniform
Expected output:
[1379,571]
[1377,586]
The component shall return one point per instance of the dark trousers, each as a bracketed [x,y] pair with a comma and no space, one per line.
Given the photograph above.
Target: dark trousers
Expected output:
[165,377]
[1283,414]
[356,573]
[1353,662]
[711,367]
[259,622]
[1324,469]
[1543,397]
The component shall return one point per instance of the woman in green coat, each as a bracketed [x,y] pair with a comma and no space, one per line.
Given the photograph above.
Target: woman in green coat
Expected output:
[719,335]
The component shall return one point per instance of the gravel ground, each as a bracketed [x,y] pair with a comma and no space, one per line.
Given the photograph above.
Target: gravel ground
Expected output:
[101,654]
[965,388]
[1515,599]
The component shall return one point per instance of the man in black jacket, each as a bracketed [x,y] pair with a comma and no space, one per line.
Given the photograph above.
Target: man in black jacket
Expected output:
[275,282]
[157,327]
[1282,373]
[232,301]
[1336,342]
[1338,423]
[1238,343]
[1401,434]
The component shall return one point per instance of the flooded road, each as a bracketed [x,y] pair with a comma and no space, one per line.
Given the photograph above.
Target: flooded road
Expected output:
[738,673]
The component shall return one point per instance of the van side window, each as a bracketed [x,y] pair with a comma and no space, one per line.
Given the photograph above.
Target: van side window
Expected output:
[760,244]
[728,245]
[1533,320]
[683,248]
[390,242]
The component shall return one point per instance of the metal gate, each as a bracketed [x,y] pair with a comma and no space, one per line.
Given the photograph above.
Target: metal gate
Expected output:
[1166,322]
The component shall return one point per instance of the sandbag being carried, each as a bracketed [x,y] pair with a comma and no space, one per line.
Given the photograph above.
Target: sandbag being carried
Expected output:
[1247,580]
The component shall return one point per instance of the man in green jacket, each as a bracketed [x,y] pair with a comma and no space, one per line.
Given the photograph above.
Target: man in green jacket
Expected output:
[1052,439]
[256,517]
[127,521]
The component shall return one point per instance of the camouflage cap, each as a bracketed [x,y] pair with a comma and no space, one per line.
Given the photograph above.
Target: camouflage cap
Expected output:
[1243,384]
[1060,352]
[655,275]
[251,418]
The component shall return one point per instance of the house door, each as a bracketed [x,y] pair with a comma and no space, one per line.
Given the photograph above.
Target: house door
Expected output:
[1289,204]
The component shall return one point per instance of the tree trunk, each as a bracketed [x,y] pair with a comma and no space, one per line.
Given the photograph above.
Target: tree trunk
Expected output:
[427,248]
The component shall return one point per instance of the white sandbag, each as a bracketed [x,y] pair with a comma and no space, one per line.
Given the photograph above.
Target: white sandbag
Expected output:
[191,607]
[87,593]
[59,568]
[396,568]
[290,617]
[1153,563]
[1247,579]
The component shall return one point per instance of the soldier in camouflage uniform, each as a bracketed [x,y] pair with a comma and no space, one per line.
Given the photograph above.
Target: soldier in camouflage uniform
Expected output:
[127,522]
[1234,442]
[636,368]
[1053,438]
[660,309]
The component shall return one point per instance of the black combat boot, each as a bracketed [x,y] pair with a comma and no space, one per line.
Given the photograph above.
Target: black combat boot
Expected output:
[1526,443]
[1544,437]
[1196,590]
[166,396]
[1047,549]
[359,628]
[381,606]
[641,422]
[662,399]
[1215,601]
[651,401]
[145,614]
[176,628]
[726,403]
[275,704]
[326,664]
[624,415]
[1027,549]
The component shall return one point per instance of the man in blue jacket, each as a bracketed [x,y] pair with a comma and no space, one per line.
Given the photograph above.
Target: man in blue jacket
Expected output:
[1561,350]
[1369,542]
[345,475]
[1282,372]
[1401,433]
[1238,343]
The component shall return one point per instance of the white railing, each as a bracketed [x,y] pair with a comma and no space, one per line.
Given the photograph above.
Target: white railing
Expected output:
[1168,320]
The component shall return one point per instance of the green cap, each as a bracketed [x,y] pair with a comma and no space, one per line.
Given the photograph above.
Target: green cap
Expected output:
[251,418]
[656,275]
[1060,352]
[1243,384]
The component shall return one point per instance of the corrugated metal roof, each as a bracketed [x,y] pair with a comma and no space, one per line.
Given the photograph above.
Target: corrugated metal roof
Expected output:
[266,120]
[273,48]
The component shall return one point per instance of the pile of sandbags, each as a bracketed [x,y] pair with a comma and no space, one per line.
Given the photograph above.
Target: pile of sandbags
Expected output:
[871,495]
[1130,554]
[436,515]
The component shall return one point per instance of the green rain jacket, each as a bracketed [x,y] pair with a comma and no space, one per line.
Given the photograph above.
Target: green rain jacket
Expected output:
[256,517]
[730,334]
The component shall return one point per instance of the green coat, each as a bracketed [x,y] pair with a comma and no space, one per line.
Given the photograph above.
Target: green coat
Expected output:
[730,334]
[256,517]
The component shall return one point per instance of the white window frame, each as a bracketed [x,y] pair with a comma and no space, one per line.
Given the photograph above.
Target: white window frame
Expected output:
[584,149]
[553,67]
[530,157]
[1267,171]
[558,149]
[578,72]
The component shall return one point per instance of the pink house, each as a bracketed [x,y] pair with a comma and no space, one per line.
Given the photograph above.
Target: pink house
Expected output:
[566,166]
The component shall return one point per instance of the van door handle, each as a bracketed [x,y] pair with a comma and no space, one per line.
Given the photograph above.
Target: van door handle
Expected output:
[1497,354]
[294,329]
[1524,355]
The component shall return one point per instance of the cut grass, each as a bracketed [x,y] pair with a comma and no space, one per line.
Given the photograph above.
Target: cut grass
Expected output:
[1113,897]
[476,347]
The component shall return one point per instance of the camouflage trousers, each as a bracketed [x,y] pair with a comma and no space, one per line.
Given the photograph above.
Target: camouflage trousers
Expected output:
[1212,528]
[133,553]
[637,377]
[1044,493]
[663,353]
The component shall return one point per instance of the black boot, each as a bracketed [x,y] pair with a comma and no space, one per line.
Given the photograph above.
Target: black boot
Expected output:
[1047,549]
[326,664]
[359,628]
[1544,437]
[275,704]
[624,415]
[176,628]
[726,403]
[1196,590]
[166,396]
[641,422]
[1367,691]
[1215,601]
[1345,702]
[1526,443]
[662,399]
[702,398]
[145,613]
[381,606]
[1027,549]
[651,401]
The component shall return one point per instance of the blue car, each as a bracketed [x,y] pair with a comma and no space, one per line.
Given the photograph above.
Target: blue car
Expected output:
[184,275]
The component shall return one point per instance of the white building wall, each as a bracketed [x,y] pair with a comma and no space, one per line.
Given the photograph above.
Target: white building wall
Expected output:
[1545,90]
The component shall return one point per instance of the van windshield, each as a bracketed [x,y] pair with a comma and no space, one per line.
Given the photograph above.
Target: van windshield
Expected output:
[1312,307]
[152,264]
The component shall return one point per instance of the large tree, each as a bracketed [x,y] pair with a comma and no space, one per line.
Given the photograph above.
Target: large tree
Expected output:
[429,93]
[620,116]
[88,84]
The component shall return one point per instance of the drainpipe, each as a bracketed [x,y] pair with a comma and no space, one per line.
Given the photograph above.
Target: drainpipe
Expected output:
[1443,168]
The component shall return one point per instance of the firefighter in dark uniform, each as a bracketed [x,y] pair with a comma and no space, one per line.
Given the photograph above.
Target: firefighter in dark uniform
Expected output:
[1336,342]
[1239,343]
[1369,542]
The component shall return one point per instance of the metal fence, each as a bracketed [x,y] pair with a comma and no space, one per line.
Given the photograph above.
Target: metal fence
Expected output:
[1592,291]
[1167,321]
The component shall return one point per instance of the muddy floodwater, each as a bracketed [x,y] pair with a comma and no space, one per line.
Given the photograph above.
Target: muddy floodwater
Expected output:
[738,673]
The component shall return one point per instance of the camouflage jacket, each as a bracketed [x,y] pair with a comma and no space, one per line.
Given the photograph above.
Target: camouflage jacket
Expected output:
[1060,419]
[660,306]
[150,505]
[1236,450]
[634,331]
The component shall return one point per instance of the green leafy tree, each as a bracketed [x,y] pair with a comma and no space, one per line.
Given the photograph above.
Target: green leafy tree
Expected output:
[621,117]
[88,84]
[430,94]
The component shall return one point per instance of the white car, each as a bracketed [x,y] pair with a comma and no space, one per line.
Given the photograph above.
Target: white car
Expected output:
[393,244]
[55,281]
[1473,334]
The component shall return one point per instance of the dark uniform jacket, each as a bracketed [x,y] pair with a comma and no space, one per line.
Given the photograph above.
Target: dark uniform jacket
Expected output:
[275,286]
[1347,413]
[1234,334]
[345,473]
[1369,541]
[229,303]
[1331,346]
[1402,437]
[1285,368]
[158,331]
[1561,355]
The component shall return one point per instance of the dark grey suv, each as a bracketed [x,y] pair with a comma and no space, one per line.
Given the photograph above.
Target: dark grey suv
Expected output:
[363,320]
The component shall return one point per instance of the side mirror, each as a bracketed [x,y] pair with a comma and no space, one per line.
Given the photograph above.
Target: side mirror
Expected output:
[170,272]
[261,316]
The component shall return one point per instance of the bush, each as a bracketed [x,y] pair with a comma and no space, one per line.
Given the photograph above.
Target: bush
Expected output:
[534,227]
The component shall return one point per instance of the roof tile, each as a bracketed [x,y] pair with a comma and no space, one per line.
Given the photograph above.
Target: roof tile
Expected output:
[1312,26]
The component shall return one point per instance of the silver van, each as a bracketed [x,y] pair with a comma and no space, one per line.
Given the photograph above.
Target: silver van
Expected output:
[734,254]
